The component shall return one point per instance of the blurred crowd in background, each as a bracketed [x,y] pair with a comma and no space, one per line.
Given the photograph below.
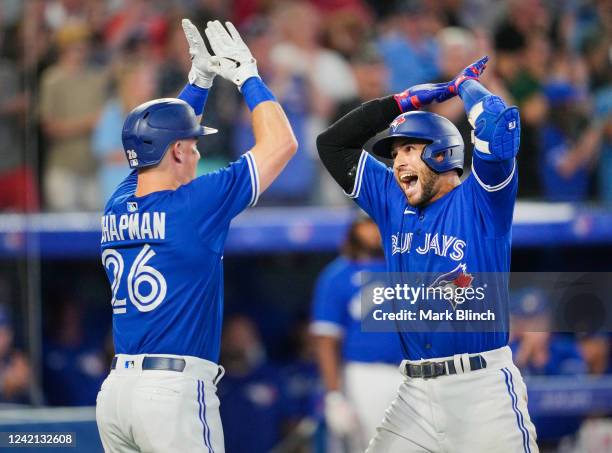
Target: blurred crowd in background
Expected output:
[71,69]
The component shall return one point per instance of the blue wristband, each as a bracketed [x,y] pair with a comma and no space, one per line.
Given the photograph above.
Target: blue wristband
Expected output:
[255,92]
[195,97]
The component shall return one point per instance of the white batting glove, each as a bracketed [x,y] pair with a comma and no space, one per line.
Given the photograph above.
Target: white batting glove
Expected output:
[201,73]
[339,414]
[233,60]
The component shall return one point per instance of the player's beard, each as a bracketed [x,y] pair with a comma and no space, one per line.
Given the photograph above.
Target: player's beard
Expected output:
[427,180]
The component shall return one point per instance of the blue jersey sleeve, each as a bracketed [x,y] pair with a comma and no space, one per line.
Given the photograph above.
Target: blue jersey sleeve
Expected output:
[329,313]
[216,198]
[493,186]
[374,183]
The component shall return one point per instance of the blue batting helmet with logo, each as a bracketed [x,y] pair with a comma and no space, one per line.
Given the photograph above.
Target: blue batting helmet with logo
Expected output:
[441,136]
[151,127]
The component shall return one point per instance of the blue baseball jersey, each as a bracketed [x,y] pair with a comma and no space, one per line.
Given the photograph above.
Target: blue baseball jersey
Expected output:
[466,231]
[337,312]
[163,256]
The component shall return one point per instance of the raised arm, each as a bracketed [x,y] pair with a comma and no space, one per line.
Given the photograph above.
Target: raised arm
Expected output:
[341,144]
[496,137]
[496,134]
[275,143]
[201,75]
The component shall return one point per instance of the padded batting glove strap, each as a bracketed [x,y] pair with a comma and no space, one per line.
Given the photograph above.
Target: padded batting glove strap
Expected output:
[201,73]
[233,60]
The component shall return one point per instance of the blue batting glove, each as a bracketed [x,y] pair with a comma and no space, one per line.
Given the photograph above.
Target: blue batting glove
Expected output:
[472,72]
[419,95]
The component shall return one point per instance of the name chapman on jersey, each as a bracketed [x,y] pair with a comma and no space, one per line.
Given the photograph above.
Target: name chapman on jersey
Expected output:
[440,244]
[136,225]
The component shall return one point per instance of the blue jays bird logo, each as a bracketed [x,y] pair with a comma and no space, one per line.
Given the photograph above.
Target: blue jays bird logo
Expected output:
[396,122]
[453,282]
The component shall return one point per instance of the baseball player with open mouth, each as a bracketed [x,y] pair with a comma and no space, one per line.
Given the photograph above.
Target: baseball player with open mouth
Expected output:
[163,235]
[461,390]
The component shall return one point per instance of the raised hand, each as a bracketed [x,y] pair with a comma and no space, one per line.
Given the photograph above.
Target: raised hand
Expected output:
[473,72]
[233,59]
[419,95]
[201,73]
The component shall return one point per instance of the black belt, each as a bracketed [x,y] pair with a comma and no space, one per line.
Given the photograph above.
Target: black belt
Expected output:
[428,370]
[154,363]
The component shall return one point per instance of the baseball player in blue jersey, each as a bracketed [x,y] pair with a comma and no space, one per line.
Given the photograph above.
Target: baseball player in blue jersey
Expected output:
[350,359]
[163,234]
[461,390]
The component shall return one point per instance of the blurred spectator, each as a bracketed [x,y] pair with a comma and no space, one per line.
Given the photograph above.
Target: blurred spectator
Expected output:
[300,53]
[60,12]
[301,376]
[346,32]
[74,365]
[351,360]
[596,48]
[15,370]
[71,97]
[371,76]
[294,91]
[18,187]
[595,436]
[521,60]
[135,85]
[569,145]
[603,116]
[251,392]
[537,352]
[596,351]
[527,90]
[137,18]
[408,46]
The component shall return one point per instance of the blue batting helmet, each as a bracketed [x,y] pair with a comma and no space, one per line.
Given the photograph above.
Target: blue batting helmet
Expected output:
[151,127]
[441,135]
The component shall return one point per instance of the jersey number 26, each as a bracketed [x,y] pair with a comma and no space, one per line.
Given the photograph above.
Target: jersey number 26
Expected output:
[139,273]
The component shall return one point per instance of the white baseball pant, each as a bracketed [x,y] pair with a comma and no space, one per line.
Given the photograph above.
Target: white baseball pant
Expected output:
[160,411]
[477,411]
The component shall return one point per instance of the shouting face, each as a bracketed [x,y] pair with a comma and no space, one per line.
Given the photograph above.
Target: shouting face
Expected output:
[418,182]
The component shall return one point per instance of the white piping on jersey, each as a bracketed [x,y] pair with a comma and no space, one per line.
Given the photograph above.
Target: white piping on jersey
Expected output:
[499,186]
[360,168]
[254,178]
[327,328]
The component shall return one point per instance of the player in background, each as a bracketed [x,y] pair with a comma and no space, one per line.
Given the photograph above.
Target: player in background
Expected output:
[163,236]
[461,392]
[351,361]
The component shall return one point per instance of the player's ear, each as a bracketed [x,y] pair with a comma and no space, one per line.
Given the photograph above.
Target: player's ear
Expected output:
[178,151]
